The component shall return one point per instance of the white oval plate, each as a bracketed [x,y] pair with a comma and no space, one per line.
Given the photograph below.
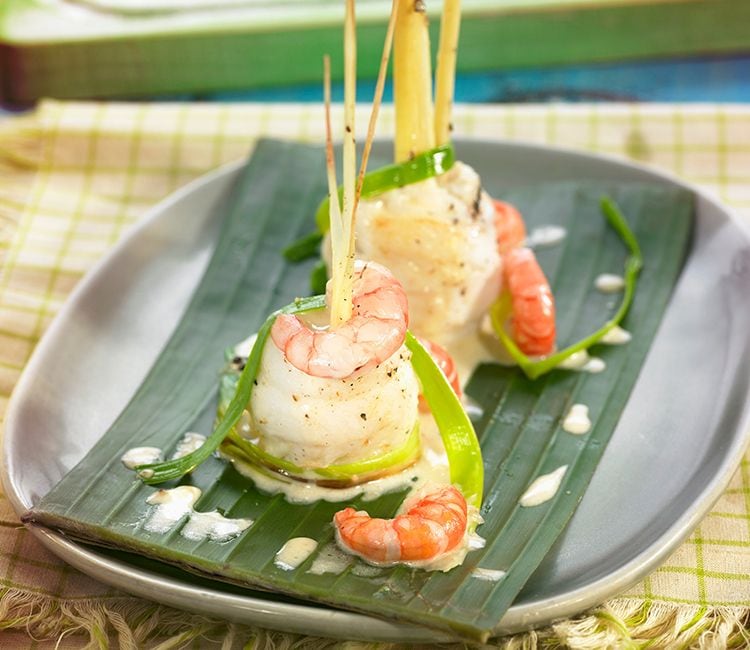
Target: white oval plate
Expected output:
[677,445]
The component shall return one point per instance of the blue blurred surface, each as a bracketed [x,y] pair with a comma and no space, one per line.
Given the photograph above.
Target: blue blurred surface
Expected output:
[723,79]
[704,79]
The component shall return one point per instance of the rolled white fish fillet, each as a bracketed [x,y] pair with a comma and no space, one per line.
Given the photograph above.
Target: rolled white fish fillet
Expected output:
[316,422]
[438,238]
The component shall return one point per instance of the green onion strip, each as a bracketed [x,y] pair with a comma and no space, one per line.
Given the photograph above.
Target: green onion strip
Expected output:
[426,165]
[500,311]
[172,469]
[459,439]
[361,469]
[456,431]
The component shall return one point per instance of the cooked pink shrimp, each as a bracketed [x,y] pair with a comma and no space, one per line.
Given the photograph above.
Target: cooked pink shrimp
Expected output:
[434,525]
[510,230]
[533,312]
[445,362]
[375,331]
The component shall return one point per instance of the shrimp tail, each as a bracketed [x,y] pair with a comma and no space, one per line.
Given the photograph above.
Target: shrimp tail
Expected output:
[533,306]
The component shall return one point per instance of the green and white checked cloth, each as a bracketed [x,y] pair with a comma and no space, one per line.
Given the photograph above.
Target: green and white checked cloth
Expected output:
[75,176]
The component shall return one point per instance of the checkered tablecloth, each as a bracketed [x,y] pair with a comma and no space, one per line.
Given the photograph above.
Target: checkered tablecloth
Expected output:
[75,176]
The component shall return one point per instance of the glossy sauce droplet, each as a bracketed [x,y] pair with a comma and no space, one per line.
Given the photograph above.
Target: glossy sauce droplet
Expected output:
[609,283]
[543,488]
[294,553]
[617,336]
[577,420]
[141,456]
[490,575]
[545,236]
[171,506]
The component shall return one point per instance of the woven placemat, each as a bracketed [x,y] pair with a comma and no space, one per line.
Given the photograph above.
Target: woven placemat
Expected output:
[74,176]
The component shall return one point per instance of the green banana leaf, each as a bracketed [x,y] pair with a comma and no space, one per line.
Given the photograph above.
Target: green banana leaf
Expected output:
[520,432]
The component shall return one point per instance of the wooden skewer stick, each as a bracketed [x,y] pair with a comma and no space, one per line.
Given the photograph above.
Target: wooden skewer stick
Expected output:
[445,76]
[412,81]
[376,101]
[338,243]
[342,240]
[343,265]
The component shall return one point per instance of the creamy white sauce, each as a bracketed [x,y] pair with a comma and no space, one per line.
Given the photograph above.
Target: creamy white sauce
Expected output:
[543,488]
[141,456]
[214,526]
[189,443]
[609,283]
[594,365]
[366,570]
[575,361]
[583,362]
[472,347]
[545,236]
[490,575]
[175,504]
[294,553]
[330,559]
[171,506]
[577,420]
[617,336]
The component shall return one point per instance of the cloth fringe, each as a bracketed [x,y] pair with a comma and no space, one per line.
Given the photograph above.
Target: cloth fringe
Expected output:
[132,624]
[634,623]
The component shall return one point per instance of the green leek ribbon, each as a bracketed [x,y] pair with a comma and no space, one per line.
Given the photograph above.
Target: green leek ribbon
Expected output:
[426,165]
[172,469]
[501,310]
[344,472]
[456,430]
[459,439]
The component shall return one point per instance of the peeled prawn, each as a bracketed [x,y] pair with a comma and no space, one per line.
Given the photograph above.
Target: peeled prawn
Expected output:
[533,307]
[434,525]
[374,332]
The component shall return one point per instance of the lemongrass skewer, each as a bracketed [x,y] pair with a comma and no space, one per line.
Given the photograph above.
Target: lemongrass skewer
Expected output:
[445,76]
[412,81]
[338,242]
[376,101]
[343,264]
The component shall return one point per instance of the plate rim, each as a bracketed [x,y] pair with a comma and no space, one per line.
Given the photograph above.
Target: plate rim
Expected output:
[518,618]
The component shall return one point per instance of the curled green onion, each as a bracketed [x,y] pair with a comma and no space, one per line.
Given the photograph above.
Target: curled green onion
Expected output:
[500,311]
[319,278]
[398,457]
[173,469]
[459,439]
[304,247]
[426,165]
